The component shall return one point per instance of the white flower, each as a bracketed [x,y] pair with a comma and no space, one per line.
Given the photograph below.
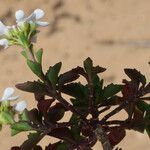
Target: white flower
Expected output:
[8,95]
[4,29]
[4,43]
[33,18]
[20,106]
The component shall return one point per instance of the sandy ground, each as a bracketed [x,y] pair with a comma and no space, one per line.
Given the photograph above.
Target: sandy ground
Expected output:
[114,33]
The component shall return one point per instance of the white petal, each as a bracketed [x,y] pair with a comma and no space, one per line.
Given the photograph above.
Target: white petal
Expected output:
[21,23]
[4,43]
[31,18]
[19,15]
[20,106]
[2,28]
[42,23]
[39,13]
[8,92]
[12,98]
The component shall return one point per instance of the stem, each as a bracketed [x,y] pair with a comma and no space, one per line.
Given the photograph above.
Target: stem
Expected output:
[104,109]
[116,110]
[70,107]
[30,54]
[91,98]
[102,137]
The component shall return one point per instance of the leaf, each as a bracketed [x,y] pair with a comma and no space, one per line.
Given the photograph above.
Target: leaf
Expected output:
[79,103]
[52,73]
[62,133]
[135,75]
[75,132]
[39,54]
[44,105]
[88,66]
[14,132]
[24,54]
[37,147]
[35,116]
[34,138]
[74,119]
[86,131]
[55,113]
[6,118]
[147,128]
[98,69]
[146,90]
[69,76]
[76,90]
[35,67]
[111,90]
[21,126]
[141,105]
[147,120]
[129,89]
[116,135]
[15,148]
[33,135]
[138,117]
[24,116]
[52,146]
[63,146]
[33,87]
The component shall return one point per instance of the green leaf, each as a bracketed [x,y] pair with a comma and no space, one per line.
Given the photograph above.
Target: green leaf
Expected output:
[75,132]
[63,146]
[74,119]
[76,90]
[147,128]
[33,87]
[21,126]
[39,54]
[24,54]
[88,66]
[31,142]
[111,90]
[147,119]
[24,116]
[14,132]
[35,67]
[33,135]
[143,106]
[6,118]
[52,73]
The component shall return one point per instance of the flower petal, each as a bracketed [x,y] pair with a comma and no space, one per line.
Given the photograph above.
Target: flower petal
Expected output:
[12,98]
[8,92]
[20,106]
[42,23]
[19,15]
[4,43]
[31,18]
[2,28]
[39,13]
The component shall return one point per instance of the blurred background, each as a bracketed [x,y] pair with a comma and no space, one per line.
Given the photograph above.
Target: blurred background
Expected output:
[114,33]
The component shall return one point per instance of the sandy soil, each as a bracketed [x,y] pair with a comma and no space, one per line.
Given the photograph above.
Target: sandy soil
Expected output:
[114,33]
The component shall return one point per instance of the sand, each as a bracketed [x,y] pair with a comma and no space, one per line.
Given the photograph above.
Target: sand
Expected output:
[114,33]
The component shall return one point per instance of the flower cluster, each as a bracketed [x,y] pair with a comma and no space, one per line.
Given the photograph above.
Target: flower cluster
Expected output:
[8,111]
[8,96]
[24,31]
